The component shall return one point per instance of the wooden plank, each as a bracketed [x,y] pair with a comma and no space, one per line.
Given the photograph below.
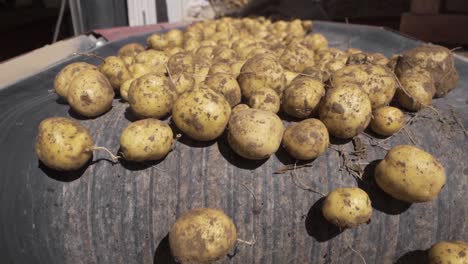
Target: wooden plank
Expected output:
[456,6]
[435,28]
[425,6]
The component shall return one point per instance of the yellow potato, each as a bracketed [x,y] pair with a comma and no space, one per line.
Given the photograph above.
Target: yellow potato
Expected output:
[347,207]
[301,98]
[387,120]
[181,62]
[205,52]
[220,67]
[155,58]
[175,38]
[173,50]
[191,45]
[157,42]
[125,87]
[315,41]
[418,88]
[261,71]
[265,99]
[376,81]
[449,252]
[290,76]
[226,55]
[152,95]
[130,50]
[306,140]
[115,70]
[202,235]
[236,67]
[227,85]
[296,58]
[346,111]
[65,76]
[63,144]
[183,82]
[147,139]
[90,94]
[239,108]
[410,174]
[247,133]
[139,69]
[201,113]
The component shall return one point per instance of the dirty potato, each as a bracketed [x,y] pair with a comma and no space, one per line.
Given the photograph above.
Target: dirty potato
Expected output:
[115,70]
[227,85]
[90,94]
[306,140]
[417,89]
[63,144]
[410,174]
[347,207]
[147,139]
[387,120]
[66,75]
[201,113]
[265,99]
[202,235]
[449,252]
[302,97]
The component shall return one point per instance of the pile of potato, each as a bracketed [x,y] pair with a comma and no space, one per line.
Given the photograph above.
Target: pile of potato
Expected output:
[237,75]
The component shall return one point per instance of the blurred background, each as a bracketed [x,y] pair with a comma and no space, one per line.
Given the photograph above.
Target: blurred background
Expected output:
[26,25]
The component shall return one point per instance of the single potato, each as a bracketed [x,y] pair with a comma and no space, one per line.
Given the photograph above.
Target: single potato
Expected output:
[387,120]
[90,94]
[265,99]
[410,174]
[147,139]
[63,144]
[247,130]
[306,140]
[115,70]
[302,97]
[417,89]
[347,207]
[227,85]
[152,95]
[449,252]
[202,235]
[125,87]
[346,111]
[201,113]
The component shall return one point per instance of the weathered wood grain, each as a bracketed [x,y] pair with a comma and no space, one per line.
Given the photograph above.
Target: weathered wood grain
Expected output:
[121,213]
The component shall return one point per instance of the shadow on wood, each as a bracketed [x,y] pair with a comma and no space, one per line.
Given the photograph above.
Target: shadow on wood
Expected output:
[414,257]
[381,201]
[65,176]
[317,226]
[233,158]
[163,255]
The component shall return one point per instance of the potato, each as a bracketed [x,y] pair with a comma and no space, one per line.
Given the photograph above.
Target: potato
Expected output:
[226,55]
[191,45]
[346,111]
[236,67]
[173,50]
[261,71]
[201,68]
[410,174]
[63,144]
[175,38]
[306,140]
[239,108]
[376,81]
[347,207]
[437,60]
[205,52]
[183,82]
[115,70]
[313,72]
[244,53]
[265,99]
[449,252]
[152,95]
[227,85]
[289,75]
[90,94]
[220,67]
[201,113]
[208,42]
[157,42]
[330,60]
[130,50]
[315,41]
[125,87]
[147,139]
[247,133]
[139,69]
[65,76]
[180,63]
[302,97]
[387,120]
[418,83]
[202,235]
[155,58]
[296,58]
